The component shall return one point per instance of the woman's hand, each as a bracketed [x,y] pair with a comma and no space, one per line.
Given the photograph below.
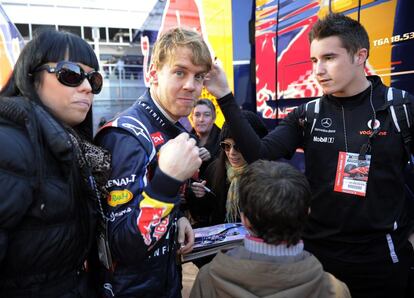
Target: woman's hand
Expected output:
[198,188]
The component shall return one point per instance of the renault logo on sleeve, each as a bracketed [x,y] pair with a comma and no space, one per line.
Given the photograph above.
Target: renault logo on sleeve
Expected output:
[326,122]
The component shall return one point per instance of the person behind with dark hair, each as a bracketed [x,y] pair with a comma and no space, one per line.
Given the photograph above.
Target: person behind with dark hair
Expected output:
[274,206]
[208,133]
[358,226]
[51,175]
[220,205]
[152,158]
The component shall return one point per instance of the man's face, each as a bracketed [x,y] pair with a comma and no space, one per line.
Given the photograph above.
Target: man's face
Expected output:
[334,69]
[203,119]
[178,84]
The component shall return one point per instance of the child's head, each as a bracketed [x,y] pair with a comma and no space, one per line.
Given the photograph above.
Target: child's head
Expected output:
[274,198]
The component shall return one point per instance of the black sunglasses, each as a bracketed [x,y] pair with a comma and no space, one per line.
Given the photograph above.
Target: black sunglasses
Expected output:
[227,146]
[72,75]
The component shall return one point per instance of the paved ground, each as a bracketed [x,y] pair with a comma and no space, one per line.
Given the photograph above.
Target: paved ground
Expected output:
[189,275]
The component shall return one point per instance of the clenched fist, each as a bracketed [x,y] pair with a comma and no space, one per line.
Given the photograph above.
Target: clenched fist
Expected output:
[179,157]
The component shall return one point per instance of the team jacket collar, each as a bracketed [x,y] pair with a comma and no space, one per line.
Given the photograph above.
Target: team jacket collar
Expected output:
[148,104]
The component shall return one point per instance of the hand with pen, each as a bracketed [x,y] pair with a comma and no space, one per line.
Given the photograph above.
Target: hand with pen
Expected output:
[199,188]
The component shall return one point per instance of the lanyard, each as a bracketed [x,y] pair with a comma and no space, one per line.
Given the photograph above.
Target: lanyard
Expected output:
[366,147]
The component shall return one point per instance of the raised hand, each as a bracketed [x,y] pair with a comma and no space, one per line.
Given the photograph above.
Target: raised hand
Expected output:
[216,80]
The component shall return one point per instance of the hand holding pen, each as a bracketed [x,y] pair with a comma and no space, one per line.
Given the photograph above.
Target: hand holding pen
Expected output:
[200,189]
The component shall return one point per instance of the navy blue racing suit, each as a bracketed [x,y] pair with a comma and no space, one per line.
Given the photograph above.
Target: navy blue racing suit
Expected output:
[142,204]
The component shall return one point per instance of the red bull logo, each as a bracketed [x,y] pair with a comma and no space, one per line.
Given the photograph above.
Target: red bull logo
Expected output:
[283,77]
[283,69]
[153,219]
[148,219]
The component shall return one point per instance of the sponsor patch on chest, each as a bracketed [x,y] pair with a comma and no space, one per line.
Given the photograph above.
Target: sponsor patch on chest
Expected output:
[157,138]
[329,140]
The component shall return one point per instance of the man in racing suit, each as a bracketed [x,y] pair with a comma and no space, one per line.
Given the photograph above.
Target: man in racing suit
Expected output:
[358,227]
[151,158]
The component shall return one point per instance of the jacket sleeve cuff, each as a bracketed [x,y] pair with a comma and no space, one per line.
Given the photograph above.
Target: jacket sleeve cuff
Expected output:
[225,98]
[163,186]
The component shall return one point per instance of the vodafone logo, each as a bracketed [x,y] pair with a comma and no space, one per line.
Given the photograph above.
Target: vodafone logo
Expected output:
[157,138]
[377,124]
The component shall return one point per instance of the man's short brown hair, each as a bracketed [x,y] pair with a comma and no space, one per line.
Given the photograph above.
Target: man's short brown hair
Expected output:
[352,34]
[208,103]
[172,39]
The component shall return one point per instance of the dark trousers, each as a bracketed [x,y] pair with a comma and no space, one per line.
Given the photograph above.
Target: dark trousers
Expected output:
[381,279]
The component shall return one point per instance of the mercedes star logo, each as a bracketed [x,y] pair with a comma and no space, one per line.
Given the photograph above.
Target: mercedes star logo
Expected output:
[326,122]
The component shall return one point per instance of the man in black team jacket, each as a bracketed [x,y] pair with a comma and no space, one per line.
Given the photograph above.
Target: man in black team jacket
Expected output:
[358,226]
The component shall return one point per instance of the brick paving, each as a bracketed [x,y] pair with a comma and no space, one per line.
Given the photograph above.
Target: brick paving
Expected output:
[189,274]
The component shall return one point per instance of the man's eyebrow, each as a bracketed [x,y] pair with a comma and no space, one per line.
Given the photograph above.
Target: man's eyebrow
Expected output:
[325,55]
[180,66]
[186,68]
[329,54]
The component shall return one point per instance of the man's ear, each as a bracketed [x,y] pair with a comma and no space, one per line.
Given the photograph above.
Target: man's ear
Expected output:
[361,56]
[153,74]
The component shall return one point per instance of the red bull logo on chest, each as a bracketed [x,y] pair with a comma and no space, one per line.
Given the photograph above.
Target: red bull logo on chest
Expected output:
[153,219]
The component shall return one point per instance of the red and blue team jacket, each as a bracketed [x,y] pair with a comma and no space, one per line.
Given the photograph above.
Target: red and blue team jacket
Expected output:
[143,204]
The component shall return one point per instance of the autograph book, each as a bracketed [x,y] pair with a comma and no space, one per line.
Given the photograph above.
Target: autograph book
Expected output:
[210,240]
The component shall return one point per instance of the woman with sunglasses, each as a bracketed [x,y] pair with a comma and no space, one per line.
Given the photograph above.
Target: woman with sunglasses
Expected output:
[219,202]
[50,174]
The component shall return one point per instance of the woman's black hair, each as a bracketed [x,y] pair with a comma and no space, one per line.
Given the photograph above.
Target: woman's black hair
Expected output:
[49,46]
[255,122]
